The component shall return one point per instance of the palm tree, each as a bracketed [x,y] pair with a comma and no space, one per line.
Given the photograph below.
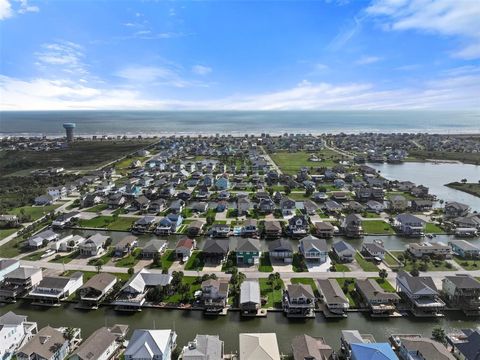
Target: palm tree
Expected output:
[383,274]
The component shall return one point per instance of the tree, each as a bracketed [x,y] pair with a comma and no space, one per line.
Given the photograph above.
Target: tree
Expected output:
[69,333]
[463,181]
[99,265]
[438,334]
[287,190]
[414,272]
[383,274]
[131,271]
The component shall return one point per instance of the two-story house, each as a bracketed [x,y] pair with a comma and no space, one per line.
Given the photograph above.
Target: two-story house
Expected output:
[313,249]
[298,301]
[462,291]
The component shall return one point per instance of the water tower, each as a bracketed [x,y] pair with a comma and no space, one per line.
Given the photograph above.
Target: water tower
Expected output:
[69,128]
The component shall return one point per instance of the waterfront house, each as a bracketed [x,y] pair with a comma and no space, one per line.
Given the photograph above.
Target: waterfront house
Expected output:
[250,297]
[462,291]
[7,266]
[324,229]
[352,226]
[144,224]
[249,227]
[47,344]
[14,331]
[94,245]
[333,207]
[281,250]
[169,224]
[313,249]
[215,251]
[102,344]
[248,251]
[409,225]
[132,295]
[306,347]
[273,229]
[140,203]
[94,291]
[39,240]
[157,206]
[455,209]
[287,206]
[258,346]
[421,205]
[333,297]
[420,293]
[18,282]
[436,250]
[154,248]
[65,219]
[464,249]
[471,221]
[298,300]
[195,228]
[67,243]
[125,246]
[214,295]
[375,206]
[398,203]
[51,289]
[203,347]
[220,230]
[350,337]
[369,351]
[184,249]
[373,250]
[298,226]
[44,200]
[416,347]
[116,200]
[379,301]
[344,252]
[465,344]
[151,345]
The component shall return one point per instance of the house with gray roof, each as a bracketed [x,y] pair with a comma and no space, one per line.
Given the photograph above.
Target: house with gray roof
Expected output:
[344,252]
[413,348]
[409,225]
[151,345]
[298,300]
[19,282]
[215,251]
[203,347]
[333,297]
[464,249]
[375,297]
[93,246]
[47,344]
[95,290]
[248,251]
[311,348]
[154,248]
[465,343]
[14,331]
[462,291]
[250,300]
[102,344]
[258,346]
[51,289]
[281,250]
[313,249]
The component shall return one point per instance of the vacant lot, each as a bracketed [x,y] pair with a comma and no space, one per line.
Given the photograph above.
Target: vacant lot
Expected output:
[34,212]
[79,155]
[291,162]
[108,222]
[377,227]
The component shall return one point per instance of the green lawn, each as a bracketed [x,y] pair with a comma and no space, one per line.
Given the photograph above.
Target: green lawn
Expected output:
[291,162]
[127,162]
[119,223]
[467,264]
[431,228]
[341,268]
[265,264]
[350,293]
[130,260]
[195,262]
[298,263]
[177,297]
[390,194]
[384,284]
[97,208]
[299,196]
[274,296]
[364,264]
[105,258]
[377,227]
[166,260]
[35,212]
[34,256]
[65,259]
[470,188]
[370,215]
[6,232]
[390,260]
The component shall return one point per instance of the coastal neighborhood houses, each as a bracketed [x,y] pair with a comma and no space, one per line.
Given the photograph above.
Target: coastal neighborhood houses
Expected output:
[290,229]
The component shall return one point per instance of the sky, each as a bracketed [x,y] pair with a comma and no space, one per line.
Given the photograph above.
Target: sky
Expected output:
[240,55]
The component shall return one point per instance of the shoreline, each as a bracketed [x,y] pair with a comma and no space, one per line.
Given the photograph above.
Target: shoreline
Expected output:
[460,187]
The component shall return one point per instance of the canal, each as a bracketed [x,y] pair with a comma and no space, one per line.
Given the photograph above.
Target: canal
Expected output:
[189,323]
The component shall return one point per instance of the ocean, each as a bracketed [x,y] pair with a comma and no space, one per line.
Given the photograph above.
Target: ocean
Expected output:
[49,123]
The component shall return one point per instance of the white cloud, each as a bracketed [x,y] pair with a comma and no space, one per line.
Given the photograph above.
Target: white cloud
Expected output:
[201,70]
[64,55]
[5,9]
[456,89]
[365,60]
[458,18]
[26,7]
[157,75]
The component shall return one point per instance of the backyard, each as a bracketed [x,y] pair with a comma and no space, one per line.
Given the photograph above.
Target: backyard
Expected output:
[364,264]
[377,227]
[272,292]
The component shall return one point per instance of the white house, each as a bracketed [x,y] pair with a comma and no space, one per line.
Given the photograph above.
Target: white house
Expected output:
[6,266]
[151,345]
[14,330]
[52,289]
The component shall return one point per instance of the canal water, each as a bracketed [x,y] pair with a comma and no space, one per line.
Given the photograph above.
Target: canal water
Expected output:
[435,176]
[189,323]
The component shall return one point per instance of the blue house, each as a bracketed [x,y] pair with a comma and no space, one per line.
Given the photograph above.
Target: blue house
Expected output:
[370,351]
[169,224]
[222,183]
[464,249]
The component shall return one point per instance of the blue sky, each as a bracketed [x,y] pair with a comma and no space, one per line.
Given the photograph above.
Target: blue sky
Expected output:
[265,55]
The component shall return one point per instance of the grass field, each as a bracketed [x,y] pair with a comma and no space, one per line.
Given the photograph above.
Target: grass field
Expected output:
[265,264]
[166,260]
[130,260]
[97,208]
[35,212]
[65,259]
[177,297]
[274,296]
[350,293]
[7,232]
[431,228]
[364,264]
[108,222]
[470,188]
[195,262]
[390,260]
[377,227]
[34,256]
[467,264]
[341,268]
[384,284]
[291,162]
